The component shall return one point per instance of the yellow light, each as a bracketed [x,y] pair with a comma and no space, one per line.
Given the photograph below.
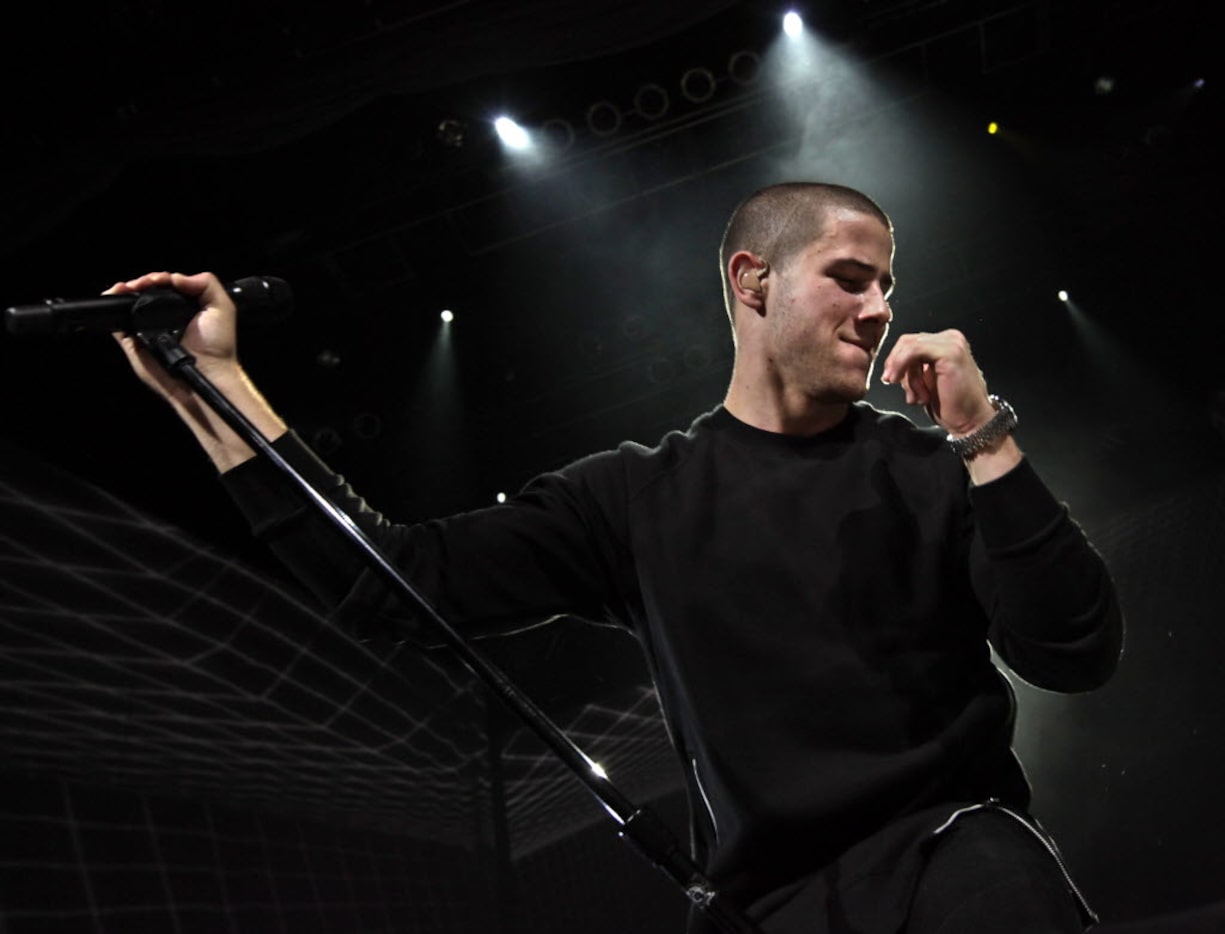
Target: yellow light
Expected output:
[993,127]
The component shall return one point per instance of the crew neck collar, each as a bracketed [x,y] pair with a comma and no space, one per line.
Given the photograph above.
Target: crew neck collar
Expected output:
[723,420]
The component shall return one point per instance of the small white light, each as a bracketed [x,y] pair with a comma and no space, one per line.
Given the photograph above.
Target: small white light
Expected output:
[793,25]
[1063,296]
[501,497]
[599,770]
[447,316]
[511,133]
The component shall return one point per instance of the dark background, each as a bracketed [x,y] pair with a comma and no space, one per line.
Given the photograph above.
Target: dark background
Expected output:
[303,142]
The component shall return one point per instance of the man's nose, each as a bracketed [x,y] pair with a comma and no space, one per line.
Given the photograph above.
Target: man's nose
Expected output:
[876,306]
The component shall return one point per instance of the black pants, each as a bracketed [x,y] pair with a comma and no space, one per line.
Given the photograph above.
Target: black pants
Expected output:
[988,874]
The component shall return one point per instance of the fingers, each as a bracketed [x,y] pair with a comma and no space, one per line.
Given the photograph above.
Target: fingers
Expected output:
[919,383]
[209,336]
[911,364]
[140,283]
[938,372]
[203,285]
[922,347]
[211,331]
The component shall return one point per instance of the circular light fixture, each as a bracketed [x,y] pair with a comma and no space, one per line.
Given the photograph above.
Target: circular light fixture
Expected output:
[557,134]
[367,426]
[698,85]
[651,101]
[603,118]
[326,440]
[450,133]
[697,357]
[661,370]
[743,67]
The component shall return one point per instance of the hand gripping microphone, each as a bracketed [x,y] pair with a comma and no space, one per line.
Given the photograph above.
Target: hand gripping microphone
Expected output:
[260,298]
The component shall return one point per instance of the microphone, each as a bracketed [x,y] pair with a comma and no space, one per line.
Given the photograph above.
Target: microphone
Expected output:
[261,298]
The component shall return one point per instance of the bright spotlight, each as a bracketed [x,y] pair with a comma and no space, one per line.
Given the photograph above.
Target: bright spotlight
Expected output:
[447,316]
[511,133]
[501,497]
[1063,296]
[793,25]
[993,127]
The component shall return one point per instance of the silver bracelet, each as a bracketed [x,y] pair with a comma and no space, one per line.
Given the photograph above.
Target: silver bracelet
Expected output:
[1001,423]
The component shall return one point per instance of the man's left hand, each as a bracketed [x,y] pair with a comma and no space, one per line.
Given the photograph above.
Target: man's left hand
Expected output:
[938,372]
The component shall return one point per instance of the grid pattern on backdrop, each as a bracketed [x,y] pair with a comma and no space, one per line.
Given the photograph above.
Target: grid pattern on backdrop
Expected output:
[135,661]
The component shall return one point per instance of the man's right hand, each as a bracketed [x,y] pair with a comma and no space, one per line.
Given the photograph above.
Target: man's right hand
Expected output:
[211,338]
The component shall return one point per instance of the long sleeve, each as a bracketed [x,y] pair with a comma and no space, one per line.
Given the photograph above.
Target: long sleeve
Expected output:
[1055,615]
[547,553]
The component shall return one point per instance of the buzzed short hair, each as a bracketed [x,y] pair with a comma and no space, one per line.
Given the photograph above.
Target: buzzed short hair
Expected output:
[779,221]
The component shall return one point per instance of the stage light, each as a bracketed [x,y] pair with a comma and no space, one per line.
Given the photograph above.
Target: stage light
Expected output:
[513,135]
[501,497]
[1198,84]
[450,133]
[366,426]
[603,118]
[743,67]
[326,440]
[993,127]
[698,85]
[1103,85]
[793,25]
[557,135]
[651,101]
[447,316]
[1063,296]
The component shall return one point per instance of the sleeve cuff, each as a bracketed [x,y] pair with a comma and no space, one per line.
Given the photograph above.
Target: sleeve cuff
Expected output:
[263,495]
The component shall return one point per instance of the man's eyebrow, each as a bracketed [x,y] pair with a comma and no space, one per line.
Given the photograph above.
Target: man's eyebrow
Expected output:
[887,279]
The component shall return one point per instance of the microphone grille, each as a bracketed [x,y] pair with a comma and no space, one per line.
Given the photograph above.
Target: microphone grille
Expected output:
[267,296]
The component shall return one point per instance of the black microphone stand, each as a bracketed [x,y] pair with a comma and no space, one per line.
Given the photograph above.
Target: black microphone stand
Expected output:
[638,825]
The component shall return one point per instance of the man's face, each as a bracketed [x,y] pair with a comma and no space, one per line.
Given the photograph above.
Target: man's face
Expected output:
[828,311]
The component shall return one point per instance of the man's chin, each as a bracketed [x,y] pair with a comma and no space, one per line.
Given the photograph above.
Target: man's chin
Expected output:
[845,395]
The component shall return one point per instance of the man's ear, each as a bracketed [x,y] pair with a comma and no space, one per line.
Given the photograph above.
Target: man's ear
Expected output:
[747,274]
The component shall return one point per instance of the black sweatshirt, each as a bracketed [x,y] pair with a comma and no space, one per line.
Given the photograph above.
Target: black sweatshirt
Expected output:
[815,612]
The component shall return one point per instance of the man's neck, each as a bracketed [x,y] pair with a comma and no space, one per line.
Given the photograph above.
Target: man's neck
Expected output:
[799,417]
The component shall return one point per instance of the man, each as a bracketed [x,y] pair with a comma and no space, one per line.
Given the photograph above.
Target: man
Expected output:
[812,582]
